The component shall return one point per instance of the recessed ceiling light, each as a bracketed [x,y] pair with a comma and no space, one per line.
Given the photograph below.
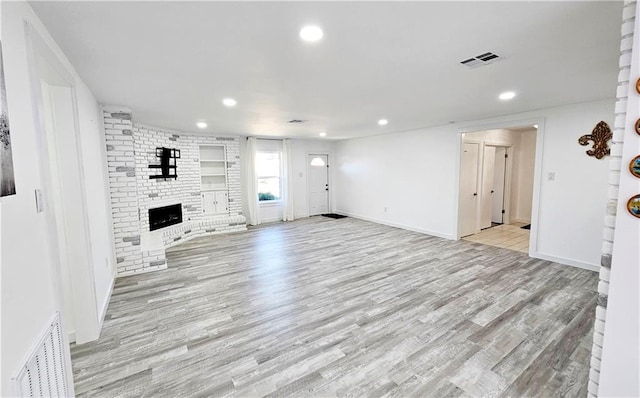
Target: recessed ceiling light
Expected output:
[323,134]
[507,95]
[229,102]
[201,125]
[383,122]
[311,33]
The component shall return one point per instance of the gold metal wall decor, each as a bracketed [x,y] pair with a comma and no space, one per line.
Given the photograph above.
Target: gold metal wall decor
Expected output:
[600,135]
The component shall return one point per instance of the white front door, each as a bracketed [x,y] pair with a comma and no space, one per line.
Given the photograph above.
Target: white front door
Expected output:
[318,177]
[487,192]
[468,212]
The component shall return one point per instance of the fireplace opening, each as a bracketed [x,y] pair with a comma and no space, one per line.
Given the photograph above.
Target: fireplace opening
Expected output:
[161,217]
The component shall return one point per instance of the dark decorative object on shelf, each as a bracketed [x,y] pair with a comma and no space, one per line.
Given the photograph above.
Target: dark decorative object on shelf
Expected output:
[167,164]
[600,135]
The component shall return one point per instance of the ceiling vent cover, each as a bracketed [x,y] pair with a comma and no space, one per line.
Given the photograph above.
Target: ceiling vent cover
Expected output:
[294,121]
[480,60]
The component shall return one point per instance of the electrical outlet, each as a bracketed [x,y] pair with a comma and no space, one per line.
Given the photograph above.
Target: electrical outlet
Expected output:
[385,209]
[551,176]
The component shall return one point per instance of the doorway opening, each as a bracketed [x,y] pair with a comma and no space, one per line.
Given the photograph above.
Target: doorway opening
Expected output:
[63,197]
[496,186]
[318,183]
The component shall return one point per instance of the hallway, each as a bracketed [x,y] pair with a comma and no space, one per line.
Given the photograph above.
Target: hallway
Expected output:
[505,236]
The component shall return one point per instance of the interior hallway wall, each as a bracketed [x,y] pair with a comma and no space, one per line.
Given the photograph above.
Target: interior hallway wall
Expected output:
[523,147]
[414,175]
[30,294]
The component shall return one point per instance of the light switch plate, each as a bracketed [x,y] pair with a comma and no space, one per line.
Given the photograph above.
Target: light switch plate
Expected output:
[39,201]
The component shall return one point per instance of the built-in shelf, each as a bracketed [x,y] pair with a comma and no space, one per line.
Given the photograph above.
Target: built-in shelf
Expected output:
[213,180]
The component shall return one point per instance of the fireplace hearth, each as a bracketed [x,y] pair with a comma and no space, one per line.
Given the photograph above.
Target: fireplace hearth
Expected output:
[161,217]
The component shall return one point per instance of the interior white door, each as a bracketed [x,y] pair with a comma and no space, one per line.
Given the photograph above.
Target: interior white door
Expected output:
[318,177]
[498,185]
[487,192]
[468,212]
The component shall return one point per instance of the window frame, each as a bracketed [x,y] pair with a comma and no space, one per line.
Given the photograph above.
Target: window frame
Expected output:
[279,177]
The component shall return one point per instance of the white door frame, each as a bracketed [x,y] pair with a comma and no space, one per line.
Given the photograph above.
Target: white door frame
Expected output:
[306,160]
[537,173]
[508,173]
[478,184]
[45,65]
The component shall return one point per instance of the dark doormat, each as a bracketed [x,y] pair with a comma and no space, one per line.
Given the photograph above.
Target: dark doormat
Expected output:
[528,226]
[333,215]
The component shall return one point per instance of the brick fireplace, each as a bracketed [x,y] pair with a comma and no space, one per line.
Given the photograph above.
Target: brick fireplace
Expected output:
[136,198]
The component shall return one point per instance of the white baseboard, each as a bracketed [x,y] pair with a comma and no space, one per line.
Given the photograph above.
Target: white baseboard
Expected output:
[105,304]
[144,271]
[402,226]
[565,261]
[522,220]
[72,336]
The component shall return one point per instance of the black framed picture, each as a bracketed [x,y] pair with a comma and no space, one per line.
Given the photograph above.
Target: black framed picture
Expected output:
[7,179]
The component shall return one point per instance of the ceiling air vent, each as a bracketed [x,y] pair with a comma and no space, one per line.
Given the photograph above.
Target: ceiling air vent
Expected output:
[480,60]
[294,121]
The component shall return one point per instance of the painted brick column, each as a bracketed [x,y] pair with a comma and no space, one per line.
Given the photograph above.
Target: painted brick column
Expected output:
[123,188]
[615,166]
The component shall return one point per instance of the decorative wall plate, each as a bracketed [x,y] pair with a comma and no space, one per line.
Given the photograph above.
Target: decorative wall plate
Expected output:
[633,206]
[634,166]
[600,136]
[638,85]
[638,126]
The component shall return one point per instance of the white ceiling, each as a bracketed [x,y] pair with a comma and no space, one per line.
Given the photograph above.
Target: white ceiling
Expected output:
[173,62]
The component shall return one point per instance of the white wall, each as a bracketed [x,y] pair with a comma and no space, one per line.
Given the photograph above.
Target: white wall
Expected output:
[522,188]
[415,176]
[94,160]
[30,292]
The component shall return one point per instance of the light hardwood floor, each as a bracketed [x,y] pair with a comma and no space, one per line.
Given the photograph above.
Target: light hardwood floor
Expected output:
[322,307]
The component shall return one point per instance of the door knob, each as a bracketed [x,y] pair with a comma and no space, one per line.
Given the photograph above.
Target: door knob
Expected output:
[475,194]
[492,191]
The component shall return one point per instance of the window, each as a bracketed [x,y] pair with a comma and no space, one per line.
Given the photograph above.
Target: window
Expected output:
[268,172]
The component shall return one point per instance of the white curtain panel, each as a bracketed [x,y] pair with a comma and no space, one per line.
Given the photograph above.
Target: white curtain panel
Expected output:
[253,218]
[287,182]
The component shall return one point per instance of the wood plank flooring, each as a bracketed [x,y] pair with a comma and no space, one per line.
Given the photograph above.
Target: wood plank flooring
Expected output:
[321,307]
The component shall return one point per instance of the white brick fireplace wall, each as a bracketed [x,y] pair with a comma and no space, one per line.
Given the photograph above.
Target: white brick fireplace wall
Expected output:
[130,150]
[615,166]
